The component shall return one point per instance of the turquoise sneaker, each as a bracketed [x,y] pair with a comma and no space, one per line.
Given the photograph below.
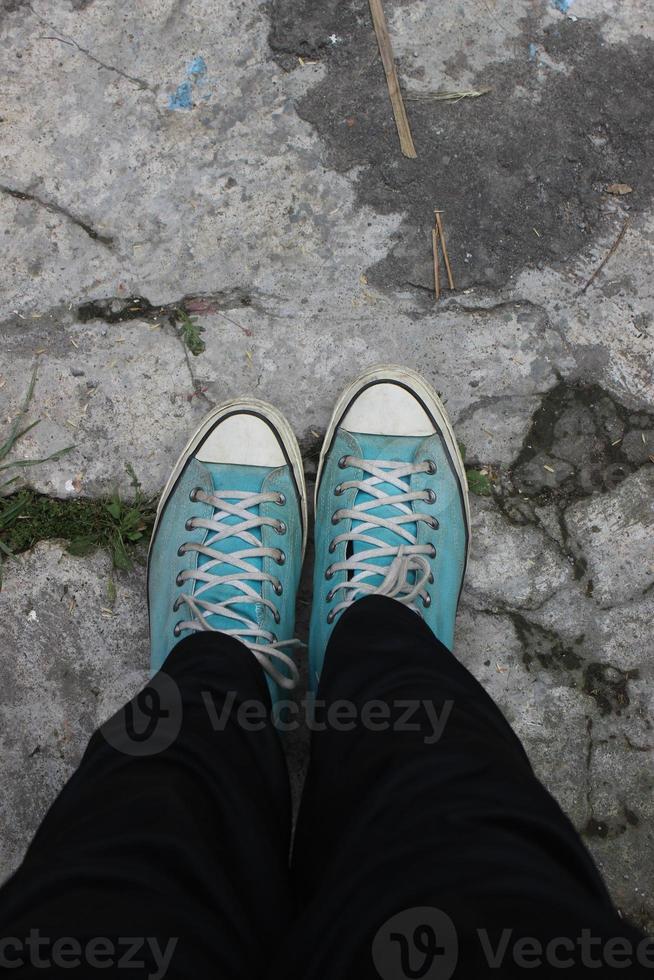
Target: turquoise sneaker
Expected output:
[392,509]
[229,539]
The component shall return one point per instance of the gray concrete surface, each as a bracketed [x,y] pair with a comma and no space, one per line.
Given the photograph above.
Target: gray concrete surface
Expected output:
[278,205]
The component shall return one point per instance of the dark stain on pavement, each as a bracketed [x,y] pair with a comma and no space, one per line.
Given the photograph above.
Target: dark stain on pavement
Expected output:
[530,155]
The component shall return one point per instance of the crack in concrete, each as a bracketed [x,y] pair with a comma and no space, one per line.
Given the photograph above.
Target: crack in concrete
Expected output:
[581,441]
[198,388]
[636,748]
[581,431]
[458,304]
[510,507]
[19,195]
[66,39]
[115,309]
[605,683]
[118,309]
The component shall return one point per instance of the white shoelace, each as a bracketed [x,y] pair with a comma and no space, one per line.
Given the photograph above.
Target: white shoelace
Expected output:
[269,648]
[409,571]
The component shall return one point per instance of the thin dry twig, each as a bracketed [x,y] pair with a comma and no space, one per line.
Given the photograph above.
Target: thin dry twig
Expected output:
[388,61]
[447,96]
[437,274]
[608,255]
[441,235]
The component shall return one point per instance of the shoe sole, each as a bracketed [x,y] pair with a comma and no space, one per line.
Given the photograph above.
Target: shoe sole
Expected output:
[428,398]
[281,428]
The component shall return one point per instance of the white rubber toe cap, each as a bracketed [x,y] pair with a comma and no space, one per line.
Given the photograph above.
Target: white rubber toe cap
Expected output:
[243,440]
[387,409]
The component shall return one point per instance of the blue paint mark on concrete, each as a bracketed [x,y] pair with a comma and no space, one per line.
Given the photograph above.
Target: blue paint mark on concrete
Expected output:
[182,98]
[196,75]
[562,5]
[533,51]
[196,69]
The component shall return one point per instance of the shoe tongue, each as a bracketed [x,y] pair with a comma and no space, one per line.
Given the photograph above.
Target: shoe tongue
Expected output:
[224,479]
[398,449]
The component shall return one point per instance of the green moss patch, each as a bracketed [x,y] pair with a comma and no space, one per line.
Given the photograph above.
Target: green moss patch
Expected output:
[479,483]
[115,524]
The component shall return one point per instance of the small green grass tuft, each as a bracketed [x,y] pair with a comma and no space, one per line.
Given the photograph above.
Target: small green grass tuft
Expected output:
[479,483]
[27,517]
[10,506]
[189,331]
[119,526]
[16,432]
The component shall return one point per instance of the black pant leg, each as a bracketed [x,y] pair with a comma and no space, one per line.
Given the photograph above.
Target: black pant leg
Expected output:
[169,829]
[393,820]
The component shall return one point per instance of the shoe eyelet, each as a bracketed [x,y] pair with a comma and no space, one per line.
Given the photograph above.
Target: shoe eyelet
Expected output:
[329,573]
[189,525]
[281,499]
[277,616]
[193,495]
[432,523]
[431,466]
[342,463]
[433,550]
[281,558]
[177,628]
[179,580]
[335,517]
[426,601]
[330,616]
[278,587]
[280,527]
[431,578]
[329,596]
[338,489]
[332,547]
[181,551]
[431,497]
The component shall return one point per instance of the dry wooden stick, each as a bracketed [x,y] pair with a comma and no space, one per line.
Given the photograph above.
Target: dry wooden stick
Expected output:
[607,256]
[388,61]
[441,235]
[437,274]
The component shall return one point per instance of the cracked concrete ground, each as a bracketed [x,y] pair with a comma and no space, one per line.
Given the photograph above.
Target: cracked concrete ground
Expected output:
[277,206]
